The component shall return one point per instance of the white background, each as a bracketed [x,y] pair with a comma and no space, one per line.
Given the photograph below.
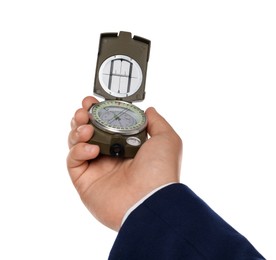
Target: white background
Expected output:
[211,74]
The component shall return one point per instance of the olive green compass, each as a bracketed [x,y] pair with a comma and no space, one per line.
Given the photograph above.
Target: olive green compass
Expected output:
[120,126]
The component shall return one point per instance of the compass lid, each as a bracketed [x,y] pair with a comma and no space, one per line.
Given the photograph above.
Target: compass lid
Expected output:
[122,66]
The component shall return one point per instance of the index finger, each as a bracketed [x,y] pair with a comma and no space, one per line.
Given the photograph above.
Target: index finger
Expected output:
[88,101]
[81,116]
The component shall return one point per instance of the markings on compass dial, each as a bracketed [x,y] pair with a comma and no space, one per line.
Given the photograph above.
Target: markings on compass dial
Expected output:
[119,115]
[120,76]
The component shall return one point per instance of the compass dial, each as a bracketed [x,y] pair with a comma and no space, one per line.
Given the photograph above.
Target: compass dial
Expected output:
[115,116]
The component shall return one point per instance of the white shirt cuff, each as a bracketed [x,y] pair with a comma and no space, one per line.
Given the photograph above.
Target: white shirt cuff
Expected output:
[142,200]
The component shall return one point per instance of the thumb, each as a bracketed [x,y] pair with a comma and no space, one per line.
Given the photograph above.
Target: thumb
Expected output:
[157,125]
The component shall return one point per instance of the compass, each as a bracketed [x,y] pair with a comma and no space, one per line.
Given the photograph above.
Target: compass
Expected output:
[120,126]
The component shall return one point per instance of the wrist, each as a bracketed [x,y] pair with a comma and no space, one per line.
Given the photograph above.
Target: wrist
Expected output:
[132,208]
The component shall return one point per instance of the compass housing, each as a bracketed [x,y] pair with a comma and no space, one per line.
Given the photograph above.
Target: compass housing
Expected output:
[120,78]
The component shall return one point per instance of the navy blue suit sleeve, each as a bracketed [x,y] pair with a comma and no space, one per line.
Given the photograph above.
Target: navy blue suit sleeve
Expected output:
[175,223]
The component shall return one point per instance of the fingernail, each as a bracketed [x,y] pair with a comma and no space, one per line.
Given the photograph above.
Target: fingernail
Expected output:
[89,148]
[73,123]
[80,128]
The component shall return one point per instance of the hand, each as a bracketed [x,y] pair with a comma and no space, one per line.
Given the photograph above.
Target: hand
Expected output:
[109,186]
